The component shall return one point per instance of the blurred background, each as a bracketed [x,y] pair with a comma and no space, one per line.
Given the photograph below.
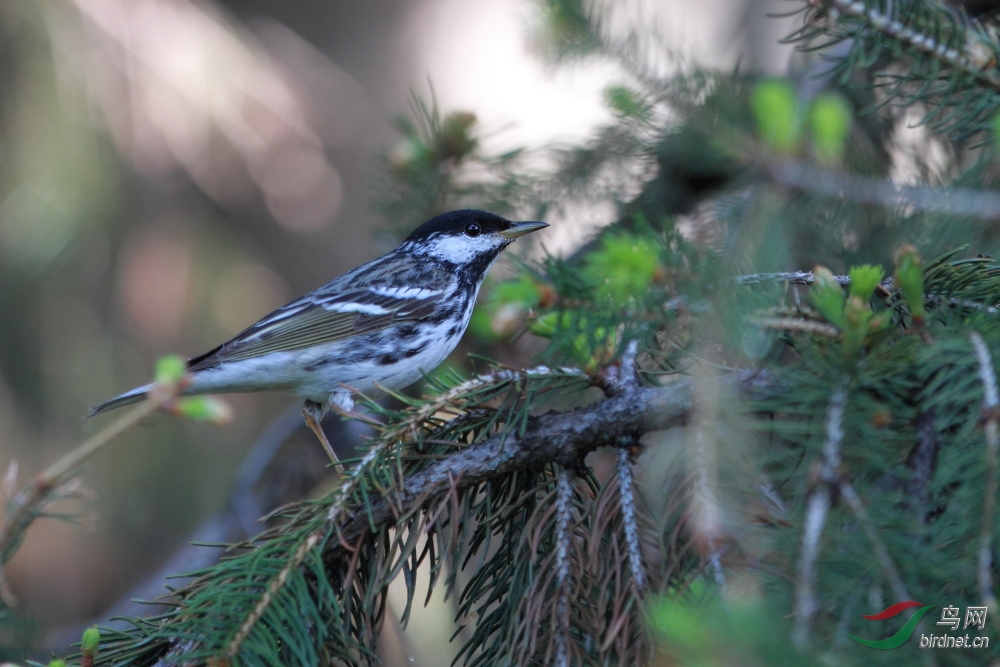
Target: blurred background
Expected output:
[172,170]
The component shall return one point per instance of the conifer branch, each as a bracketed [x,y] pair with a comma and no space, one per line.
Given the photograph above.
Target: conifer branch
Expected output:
[619,377]
[850,495]
[793,277]
[991,415]
[706,520]
[922,461]
[302,551]
[559,437]
[819,503]
[549,610]
[798,324]
[564,543]
[563,438]
[50,484]
[446,400]
[262,604]
[927,44]
[863,189]
[914,52]
[706,506]
[629,522]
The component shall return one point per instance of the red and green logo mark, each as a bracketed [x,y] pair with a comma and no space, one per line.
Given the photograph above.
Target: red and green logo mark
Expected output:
[904,633]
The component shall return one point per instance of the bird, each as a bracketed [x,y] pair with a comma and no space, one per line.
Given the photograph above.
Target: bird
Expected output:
[379,327]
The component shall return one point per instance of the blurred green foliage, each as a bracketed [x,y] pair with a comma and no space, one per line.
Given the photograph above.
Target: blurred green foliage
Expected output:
[775,110]
[623,267]
[830,120]
[712,634]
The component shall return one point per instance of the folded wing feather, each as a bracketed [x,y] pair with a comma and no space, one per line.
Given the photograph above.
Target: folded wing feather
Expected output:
[317,320]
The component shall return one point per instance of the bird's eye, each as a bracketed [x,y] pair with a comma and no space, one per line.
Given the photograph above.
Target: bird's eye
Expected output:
[473,229]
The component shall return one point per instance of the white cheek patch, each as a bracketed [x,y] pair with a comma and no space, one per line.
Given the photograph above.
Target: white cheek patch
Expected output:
[459,248]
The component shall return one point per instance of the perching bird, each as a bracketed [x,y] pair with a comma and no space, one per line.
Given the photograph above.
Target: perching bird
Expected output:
[381,325]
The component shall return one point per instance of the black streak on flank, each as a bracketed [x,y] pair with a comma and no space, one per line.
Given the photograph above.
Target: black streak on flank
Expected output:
[388,359]
[407,332]
[318,364]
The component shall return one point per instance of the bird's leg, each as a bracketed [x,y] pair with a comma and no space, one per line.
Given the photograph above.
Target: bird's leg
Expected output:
[313,414]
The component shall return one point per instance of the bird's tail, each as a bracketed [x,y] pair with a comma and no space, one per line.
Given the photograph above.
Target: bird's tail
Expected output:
[128,398]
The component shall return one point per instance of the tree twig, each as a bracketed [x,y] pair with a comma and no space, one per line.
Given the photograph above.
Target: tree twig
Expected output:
[25,507]
[564,542]
[807,278]
[923,41]
[627,498]
[281,466]
[819,504]
[793,277]
[991,414]
[618,377]
[561,437]
[867,190]
[853,500]
[922,462]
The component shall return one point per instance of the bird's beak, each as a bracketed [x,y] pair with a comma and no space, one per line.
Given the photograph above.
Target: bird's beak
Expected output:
[522,228]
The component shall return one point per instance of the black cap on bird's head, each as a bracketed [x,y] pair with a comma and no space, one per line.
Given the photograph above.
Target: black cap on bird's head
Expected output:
[472,223]
[466,236]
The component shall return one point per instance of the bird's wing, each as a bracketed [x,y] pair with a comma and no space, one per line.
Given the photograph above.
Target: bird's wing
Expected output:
[323,318]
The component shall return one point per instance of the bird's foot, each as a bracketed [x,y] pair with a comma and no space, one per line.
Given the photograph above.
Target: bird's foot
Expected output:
[342,403]
[313,414]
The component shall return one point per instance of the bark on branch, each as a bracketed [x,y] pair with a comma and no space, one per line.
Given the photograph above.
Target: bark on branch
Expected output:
[556,437]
